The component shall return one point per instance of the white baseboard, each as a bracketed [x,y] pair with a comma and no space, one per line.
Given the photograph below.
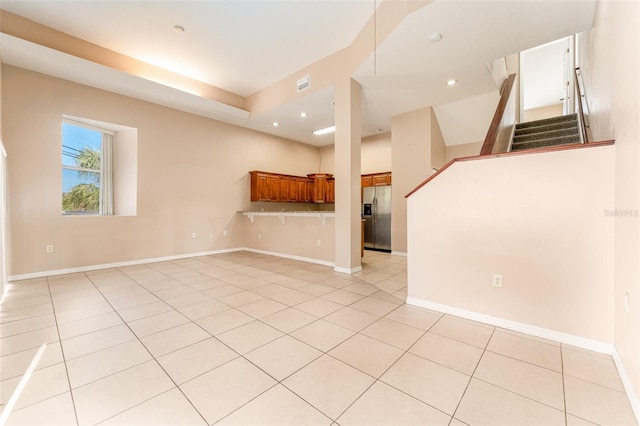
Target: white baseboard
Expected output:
[399,253]
[545,333]
[290,256]
[628,385]
[347,270]
[55,272]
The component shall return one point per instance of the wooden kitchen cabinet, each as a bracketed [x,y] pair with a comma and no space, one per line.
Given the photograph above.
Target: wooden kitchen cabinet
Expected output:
[331,190]
[321,187]
[276,187]
[374,179]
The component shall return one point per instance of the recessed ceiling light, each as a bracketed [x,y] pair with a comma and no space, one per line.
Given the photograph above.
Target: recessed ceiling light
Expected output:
[276,124]
[435,37]
[451,82]
[303,115]
[324,131]
[178,29]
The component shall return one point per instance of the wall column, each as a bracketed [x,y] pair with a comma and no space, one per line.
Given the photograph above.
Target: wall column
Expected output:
[347,173]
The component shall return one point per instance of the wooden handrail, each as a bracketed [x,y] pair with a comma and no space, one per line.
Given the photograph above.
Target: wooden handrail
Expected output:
[496,123]
[581,116]
[509,154]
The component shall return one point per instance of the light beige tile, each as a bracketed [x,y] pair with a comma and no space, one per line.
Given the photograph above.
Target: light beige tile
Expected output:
[343,297]
[283,356]
[83,312]
[374,306]
[468,332]
[577,421]
[277,406]
[438,386]
[592,368]
[55,411]
[204,309]
[329,385]
[366,354]
[450,353]
[188,300]
[223,390]
[249,336]
[352,319]
[270,290]
[525,349]
[191,361]
[44,383]
[98,340]
[27,340]
[319,307]
[596,403]
[144,311]
[322,334]
[175,291]
[394,333]
[525,379]
[160,322]
[61,305]
[223,290]
[262,308]
[175,338]
[420,318]
[383,405]
[224,321]
[16,364]
[485,404]
[292,297]
[88,325]
[169,408]
[24,313]
[114,394]
[129,302]
[387,296]
[363,289]
[96,365]
[12,328]
[316,290]
[288,320]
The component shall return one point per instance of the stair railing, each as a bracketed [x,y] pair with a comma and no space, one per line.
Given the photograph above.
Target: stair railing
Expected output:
[583,118]
[500,131]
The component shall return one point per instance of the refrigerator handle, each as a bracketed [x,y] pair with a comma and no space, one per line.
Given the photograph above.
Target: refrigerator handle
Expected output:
[375,209]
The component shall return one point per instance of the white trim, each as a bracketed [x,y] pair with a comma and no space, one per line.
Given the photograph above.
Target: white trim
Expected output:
[628,385]
[51,273]
[290,256]
[347,270]
[399,253]
[43,274]
[545,333]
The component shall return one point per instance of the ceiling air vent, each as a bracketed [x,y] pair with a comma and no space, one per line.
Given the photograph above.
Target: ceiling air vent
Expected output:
[303,83]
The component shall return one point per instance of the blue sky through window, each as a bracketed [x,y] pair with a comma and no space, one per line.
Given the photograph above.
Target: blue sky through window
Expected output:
[74,140]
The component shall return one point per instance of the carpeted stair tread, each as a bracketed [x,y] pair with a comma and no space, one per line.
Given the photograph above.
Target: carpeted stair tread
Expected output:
[546,121]
[548,127]
[572,131]
[544,143]
[554,131]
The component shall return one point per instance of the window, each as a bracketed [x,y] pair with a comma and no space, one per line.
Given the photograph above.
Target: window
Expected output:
[86,170]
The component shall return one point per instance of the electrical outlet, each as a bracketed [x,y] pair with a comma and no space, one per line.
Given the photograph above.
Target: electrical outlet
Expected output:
[193,235]
[211,236]
[497,280]
[259,236]
[319,243]
[49,249]
[225,233]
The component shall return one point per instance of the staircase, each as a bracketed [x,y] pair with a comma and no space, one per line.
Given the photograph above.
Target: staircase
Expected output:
[554,131]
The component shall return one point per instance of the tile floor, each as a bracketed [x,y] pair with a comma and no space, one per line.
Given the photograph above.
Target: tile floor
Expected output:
[249,339]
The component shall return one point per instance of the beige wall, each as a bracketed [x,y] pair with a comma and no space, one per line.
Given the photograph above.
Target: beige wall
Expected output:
[3,182]
[192,177]
[463,150]
[410,165]
[544,229]
[438,148]
[375,152]
[541,113]
[611,56]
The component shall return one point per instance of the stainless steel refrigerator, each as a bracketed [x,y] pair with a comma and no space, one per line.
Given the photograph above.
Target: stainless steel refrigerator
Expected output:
[376,210]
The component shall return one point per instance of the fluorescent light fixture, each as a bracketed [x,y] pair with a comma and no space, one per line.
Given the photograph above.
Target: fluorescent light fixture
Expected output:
[325,131]
[452,82]
[276,124]
[303,115]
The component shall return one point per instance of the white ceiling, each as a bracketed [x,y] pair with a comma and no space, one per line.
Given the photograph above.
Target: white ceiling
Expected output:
[244,46]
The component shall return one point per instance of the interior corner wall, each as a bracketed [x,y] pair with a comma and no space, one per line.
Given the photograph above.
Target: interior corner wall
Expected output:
[610,55]
[3,187]
[410,165]
[192,177]
[375,154]
[463,150]
[438,147]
